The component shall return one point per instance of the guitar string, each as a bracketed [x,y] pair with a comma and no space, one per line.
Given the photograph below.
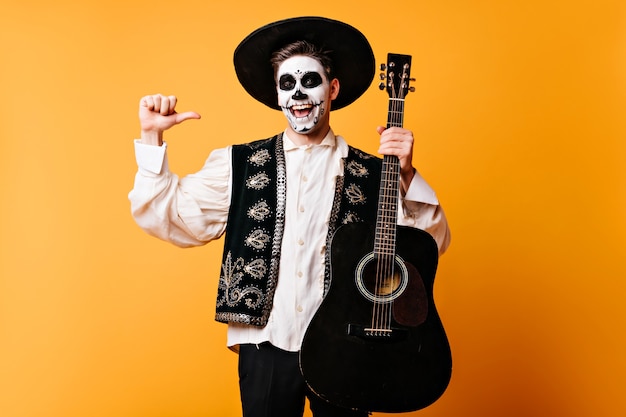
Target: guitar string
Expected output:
[384,286]
[382,266]
[391,222]
[381,262]
[376,313]
[382,315]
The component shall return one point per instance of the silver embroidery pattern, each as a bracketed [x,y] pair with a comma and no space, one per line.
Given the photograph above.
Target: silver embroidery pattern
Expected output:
[281,198]
[258,181]
[257,268]
[258,239]
[355,194]
[230,274]
[350,217]
[259,211]
[260,157]
[357,169]
[227,317]
[361,154]
[332,226]
[230,278]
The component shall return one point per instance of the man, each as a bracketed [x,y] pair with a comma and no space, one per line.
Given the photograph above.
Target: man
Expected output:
[278,200]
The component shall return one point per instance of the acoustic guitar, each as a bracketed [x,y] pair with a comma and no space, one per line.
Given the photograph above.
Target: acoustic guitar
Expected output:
[377,343]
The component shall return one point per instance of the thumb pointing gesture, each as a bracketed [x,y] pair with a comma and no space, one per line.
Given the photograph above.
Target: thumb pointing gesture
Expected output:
[157,113]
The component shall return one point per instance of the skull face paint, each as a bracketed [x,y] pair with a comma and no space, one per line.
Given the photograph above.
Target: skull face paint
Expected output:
[303,92]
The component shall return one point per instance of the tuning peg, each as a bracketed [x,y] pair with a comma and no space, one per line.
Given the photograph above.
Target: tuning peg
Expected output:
[381,86]
[383,67]
[412,89]
[382,76]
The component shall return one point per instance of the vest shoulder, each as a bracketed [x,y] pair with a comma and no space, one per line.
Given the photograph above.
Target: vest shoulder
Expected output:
[256,144]
[356,153]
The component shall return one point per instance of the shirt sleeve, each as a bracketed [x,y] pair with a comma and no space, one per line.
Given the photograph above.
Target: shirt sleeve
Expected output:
[188,211]
[421,209]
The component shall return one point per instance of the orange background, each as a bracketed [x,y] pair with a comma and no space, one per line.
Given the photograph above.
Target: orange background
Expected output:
[519,118]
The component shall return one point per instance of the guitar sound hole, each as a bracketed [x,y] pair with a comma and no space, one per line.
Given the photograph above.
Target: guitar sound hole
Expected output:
[382,286]
[381,281]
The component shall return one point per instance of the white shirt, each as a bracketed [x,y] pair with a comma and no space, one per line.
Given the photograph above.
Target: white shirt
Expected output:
[193,210]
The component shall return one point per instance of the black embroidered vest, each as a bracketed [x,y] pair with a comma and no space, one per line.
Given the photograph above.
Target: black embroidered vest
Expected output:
[256,222]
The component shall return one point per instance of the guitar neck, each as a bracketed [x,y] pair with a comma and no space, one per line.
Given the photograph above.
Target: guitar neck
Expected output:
[397,86]
[395,112]
[385,239]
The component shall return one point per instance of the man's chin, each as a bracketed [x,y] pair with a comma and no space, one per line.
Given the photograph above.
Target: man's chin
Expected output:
[303,127]
[304,130]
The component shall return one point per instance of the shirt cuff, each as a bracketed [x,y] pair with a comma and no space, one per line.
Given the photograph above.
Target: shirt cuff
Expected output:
[151,158]
[420,192]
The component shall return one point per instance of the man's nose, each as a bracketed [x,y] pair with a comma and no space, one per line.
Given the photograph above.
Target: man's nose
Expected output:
[299,95]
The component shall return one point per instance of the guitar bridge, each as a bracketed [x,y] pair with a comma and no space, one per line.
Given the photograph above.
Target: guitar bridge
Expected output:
[369,333]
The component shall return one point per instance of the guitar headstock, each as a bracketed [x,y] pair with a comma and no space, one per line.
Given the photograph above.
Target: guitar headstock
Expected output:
[397,80]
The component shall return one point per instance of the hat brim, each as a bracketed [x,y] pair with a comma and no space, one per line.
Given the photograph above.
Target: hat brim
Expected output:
[352,55]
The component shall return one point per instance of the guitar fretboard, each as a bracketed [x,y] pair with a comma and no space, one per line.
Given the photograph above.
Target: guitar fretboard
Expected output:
[385,239]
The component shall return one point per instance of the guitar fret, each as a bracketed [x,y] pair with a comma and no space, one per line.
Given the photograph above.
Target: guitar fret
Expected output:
[388,250]
[385,239]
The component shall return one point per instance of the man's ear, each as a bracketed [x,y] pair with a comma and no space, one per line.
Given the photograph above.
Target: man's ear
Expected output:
[334,88]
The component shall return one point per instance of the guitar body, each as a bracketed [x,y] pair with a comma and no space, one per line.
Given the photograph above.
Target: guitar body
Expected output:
[346,363]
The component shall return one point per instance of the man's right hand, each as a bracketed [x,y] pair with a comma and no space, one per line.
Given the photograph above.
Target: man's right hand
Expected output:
[157,113]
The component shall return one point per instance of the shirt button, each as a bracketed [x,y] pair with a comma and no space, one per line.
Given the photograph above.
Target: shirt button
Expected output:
[304,179]
[300,274]
[301,209]
[300,242]
[299,308]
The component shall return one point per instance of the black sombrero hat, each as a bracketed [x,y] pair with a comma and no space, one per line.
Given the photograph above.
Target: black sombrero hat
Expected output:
[353,59]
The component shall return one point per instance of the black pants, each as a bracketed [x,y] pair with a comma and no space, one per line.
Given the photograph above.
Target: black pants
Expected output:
[271,385]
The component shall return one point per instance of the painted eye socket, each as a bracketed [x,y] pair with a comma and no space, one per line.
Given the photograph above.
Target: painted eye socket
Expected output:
[311,80]
[286,82]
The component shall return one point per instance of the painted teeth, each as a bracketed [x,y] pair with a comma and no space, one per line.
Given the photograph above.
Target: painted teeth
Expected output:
[301,106]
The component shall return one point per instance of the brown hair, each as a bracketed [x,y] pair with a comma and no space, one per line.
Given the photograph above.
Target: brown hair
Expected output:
[306,49]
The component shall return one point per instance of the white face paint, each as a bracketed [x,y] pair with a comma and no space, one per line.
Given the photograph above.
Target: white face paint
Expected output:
[303,92]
